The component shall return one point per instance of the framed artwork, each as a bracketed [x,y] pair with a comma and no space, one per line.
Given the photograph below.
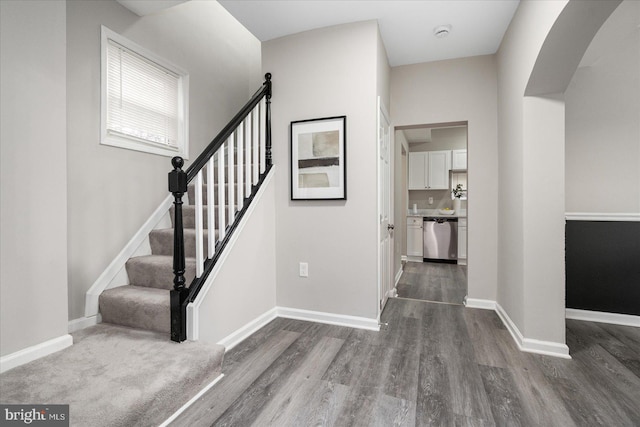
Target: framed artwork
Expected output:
[318,159]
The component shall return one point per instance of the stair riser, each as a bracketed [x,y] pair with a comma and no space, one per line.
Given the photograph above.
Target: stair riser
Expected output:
[162,243]
[135,313]
[159,276]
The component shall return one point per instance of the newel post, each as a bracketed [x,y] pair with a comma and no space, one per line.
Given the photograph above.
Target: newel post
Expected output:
[268,119]
[178,186]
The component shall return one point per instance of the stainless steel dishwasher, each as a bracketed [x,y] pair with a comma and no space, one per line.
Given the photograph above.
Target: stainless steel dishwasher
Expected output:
[440,239]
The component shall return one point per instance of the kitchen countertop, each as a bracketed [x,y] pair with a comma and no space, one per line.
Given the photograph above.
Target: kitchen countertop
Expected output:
[436,214]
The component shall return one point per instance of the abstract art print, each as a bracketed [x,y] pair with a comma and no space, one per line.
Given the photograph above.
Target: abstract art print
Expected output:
[318,160]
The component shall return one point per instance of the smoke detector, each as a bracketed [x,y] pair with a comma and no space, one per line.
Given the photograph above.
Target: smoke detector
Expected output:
[442,31]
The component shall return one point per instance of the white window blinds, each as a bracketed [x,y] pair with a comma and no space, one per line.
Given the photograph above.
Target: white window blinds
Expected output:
[142,98]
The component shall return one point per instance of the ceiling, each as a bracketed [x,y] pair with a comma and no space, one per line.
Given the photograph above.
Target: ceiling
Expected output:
[477,26]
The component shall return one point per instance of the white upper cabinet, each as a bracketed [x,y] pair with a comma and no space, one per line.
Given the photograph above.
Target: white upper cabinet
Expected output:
[429,170]
[459,160]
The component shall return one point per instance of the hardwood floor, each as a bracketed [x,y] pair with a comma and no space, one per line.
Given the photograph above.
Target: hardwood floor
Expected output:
[433,365]
[430,281]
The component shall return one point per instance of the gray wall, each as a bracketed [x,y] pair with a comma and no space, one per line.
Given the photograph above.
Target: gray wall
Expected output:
[112,191]
[603,120]
[33,196]
[321,73]
[456,91]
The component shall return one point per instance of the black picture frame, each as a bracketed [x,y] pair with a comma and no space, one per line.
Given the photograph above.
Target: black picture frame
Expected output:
[318,159]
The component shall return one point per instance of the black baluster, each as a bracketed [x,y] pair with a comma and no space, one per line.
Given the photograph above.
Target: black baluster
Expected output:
[178,186]
[267,83]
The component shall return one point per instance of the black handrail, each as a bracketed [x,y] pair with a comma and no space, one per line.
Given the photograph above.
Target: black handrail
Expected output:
[178,180]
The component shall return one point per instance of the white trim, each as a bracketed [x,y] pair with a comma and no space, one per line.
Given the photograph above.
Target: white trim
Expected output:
[191,401]
[83,322]
[412,258]
[603,317]
[529,345]
[34,352]
[102,282]
[245,331]
[398,275]
[403,258]
[583,216]
[193,309]
[484,304]
[329,318]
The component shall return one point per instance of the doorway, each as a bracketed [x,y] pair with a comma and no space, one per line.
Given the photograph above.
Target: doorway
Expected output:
[435,207]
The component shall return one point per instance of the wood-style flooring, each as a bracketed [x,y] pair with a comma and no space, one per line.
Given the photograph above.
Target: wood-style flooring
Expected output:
[430,281]
[433,365]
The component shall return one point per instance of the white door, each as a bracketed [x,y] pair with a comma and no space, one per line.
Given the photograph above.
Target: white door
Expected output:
[384,208]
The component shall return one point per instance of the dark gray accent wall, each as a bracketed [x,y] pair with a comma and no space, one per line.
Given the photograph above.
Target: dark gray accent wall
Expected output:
[603,266]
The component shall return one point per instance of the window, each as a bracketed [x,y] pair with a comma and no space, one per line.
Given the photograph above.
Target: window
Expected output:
[144,99]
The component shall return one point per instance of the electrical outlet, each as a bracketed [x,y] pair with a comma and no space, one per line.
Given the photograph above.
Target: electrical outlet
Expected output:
[304,269]
[430,200]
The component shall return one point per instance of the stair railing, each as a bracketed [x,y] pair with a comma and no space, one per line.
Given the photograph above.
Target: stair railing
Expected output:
[235,165]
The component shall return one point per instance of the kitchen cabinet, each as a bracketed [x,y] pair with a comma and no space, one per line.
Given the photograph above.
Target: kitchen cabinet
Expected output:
[414,236]
[462,241]
[429,170]
[459,159]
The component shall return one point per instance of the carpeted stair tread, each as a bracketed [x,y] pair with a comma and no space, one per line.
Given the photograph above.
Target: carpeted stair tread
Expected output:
[161,241]
[137,307]
[156,271]
[116,376]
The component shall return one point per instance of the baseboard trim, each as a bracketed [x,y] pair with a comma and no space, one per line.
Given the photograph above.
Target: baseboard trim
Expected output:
[329,318]
[603,317]
[34,352]
[191,401]
[245,331]
[193,309]
[583,216]
[83,322]
[529,345]
[484,304]
[398,275]
[93,294]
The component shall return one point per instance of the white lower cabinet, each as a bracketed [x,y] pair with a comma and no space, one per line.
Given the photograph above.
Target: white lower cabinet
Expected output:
[462,241]
[414,236]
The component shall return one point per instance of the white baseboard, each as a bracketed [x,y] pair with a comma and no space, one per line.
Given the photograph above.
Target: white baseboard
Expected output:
[594,216]
[244,332]
[83,322]
[603,317]
[412,258]
[398,275]
[32,353]
[484,304]
[191,401]
[529,345]
[329,318]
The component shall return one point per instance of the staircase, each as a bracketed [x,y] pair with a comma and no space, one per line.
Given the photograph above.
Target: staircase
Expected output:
[220,185]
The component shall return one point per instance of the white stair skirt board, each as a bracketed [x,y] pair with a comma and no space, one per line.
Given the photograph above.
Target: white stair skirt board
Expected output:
[484,304]
[398,275]
[191,401]
[603,317]
[83,322]
[32,353]
[244,332]
[117,265]
[193,309]
[529,345]
[329,318]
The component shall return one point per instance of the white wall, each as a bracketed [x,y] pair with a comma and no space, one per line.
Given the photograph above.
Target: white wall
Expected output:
[321,73]
[456,91]
[603,120]
[112,191]
[33,212]
[245,287]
